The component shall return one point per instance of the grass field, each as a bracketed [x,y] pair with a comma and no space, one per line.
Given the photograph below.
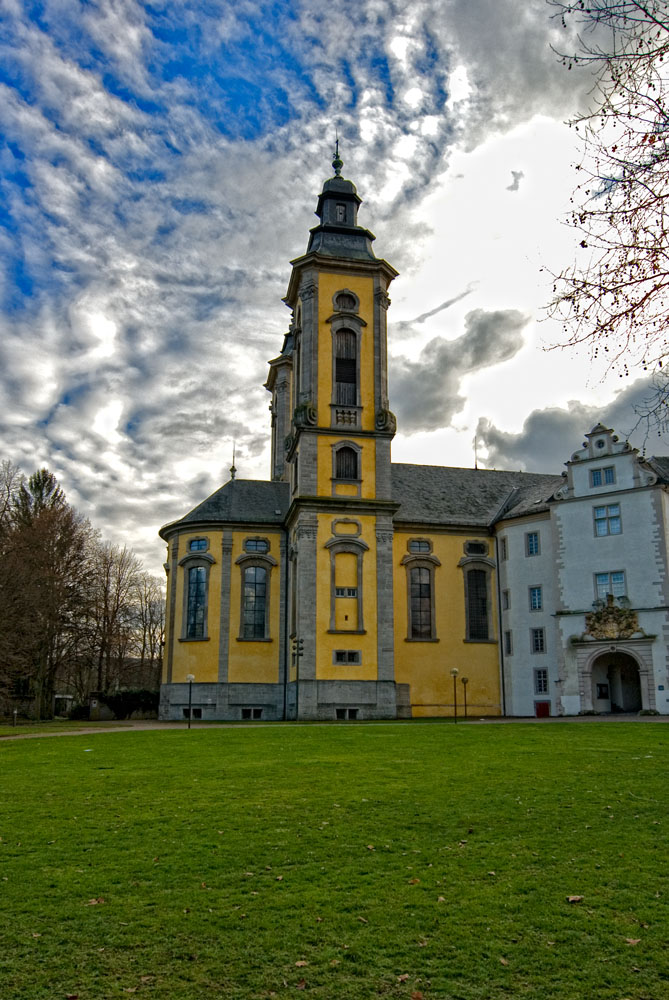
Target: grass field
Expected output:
[340,862]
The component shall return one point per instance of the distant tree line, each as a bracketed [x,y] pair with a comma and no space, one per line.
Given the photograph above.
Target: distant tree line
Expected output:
[77,614]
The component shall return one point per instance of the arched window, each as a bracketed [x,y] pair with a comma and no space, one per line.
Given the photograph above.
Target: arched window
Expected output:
[420,626]
[421,620]
[254,602]
[255,572]
[346,375]
[477,604]
[196,567]
[346,464]
[197,590]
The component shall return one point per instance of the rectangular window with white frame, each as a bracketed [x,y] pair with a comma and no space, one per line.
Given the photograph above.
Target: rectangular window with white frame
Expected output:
[541,681]
[607,520]
[537,640]
[536,599]
[603,477]
[610,583]
[532,543]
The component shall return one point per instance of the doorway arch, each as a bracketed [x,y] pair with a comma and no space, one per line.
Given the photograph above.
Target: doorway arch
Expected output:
[616,683]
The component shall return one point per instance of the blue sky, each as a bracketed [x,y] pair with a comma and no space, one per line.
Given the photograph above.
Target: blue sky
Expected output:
[160,165]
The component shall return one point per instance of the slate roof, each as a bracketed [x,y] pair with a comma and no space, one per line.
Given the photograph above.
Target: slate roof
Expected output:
[427,494]
[241,500]
[435,494]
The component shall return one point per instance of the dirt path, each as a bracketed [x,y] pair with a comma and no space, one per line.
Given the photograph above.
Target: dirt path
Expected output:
[129,727]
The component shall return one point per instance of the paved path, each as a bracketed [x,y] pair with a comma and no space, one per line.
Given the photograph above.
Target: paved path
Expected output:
[134,726]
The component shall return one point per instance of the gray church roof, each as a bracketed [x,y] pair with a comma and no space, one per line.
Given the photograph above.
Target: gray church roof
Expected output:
[434,494]
[241,501]
[427,494]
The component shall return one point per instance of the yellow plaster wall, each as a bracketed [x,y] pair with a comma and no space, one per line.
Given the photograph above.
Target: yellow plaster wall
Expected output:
[327,642]
[254,662]
[363,287]
[426,666]
[199,658]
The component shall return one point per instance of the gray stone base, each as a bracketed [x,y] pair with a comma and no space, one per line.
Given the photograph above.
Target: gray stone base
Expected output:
[311,701]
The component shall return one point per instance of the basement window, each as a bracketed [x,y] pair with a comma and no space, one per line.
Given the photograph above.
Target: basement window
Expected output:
[252,713]
[346,713]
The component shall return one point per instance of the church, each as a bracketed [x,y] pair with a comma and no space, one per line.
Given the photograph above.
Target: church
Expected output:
[352,587]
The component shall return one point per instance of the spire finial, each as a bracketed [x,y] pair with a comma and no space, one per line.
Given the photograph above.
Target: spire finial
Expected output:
[233,471]
[337,163]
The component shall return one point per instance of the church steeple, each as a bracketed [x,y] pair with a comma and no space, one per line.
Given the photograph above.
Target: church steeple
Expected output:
[339,234]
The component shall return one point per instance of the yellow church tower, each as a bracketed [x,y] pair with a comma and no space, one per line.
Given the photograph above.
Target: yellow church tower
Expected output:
[331,436]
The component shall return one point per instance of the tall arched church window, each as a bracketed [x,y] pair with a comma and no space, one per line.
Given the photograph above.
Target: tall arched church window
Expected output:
[196,566]
[195,616]
[255,602]
[477,604]
[420,626]
[346,464]
[346,375]
[255,570]
[477,572]
[420,566]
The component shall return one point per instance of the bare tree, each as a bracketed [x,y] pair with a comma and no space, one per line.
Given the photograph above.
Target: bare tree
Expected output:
[149,628]
[115,578]
[615,297]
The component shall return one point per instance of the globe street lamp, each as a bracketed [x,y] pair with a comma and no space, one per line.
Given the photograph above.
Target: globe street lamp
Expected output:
[454,675]
[465,682]
[190,678]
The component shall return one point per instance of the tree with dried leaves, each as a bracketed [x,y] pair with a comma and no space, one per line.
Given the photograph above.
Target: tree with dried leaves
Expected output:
[615,297]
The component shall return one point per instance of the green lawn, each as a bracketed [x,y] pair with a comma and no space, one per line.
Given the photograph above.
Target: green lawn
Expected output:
[341,862]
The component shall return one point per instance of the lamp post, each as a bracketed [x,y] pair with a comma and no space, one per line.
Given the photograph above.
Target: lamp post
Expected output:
[465,682]
[190,678]
[454,675]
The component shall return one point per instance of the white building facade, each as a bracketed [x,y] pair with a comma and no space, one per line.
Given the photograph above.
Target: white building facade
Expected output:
[584,587]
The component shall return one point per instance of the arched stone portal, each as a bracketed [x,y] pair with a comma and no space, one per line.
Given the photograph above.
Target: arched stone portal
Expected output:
[616,683]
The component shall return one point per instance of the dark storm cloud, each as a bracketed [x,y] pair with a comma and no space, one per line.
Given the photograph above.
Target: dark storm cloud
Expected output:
[549,437]
[425,392]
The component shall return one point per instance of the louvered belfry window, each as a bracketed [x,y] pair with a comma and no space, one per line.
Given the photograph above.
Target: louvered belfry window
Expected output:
[346,368]
[346,464]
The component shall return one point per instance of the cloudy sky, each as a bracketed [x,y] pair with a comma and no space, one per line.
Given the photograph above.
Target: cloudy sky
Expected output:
[160,165]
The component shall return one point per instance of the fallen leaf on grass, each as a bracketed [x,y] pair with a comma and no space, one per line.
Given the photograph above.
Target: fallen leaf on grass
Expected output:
[279,878]
[403,978]
[334,961]
[574,899]
[95,902]
[422,944]
[129,989]
[362,920]
[319,920]
[301,963]
[416,995]
[441,899]
[36,934]
[146,979]
[504,961]
[632,940]
[71,996]
[491,873]
[302,985]
[414,881]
